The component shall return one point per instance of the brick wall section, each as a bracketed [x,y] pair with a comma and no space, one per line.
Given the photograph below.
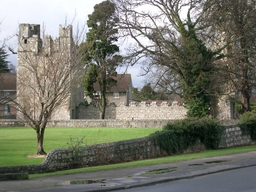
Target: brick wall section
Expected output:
[117,152]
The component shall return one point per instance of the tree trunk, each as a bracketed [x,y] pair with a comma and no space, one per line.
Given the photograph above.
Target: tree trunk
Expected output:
[40,141]
[103,93]
[245,89]
[104,103]
[245,101]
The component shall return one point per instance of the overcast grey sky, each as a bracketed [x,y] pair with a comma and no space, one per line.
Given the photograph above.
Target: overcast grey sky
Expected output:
[49,13]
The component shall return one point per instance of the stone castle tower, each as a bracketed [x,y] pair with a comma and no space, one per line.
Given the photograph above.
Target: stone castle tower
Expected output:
[227,93]
[44,69]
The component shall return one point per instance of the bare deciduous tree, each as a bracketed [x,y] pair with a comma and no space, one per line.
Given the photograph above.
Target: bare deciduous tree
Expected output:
[48,78]
[176,34]
[164,79]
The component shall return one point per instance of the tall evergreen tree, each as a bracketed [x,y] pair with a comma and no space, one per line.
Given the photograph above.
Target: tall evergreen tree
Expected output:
[4,68]
[101,56]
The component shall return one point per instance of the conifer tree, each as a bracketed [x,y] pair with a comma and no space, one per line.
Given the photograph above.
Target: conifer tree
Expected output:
[4,68]
[100,52]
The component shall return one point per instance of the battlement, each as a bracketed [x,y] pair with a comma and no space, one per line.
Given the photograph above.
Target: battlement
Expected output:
[65,31]
[41,60]
[30,40]
[171,110]
[149,103]
[28,30]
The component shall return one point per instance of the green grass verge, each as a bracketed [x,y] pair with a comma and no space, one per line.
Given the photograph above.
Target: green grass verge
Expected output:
[169,159]
[17,143]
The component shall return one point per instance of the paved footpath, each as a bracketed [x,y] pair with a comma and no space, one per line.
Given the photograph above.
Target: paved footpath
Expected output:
[132,177]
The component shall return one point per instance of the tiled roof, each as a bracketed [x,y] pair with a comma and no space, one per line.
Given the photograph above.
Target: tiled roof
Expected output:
[7,81]
[122,85]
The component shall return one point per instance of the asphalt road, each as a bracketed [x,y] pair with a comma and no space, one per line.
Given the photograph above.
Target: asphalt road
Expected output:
[206,174]
[230,181]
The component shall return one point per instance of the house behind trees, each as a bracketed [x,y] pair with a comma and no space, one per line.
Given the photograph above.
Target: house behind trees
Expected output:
[7,92]
[120,92]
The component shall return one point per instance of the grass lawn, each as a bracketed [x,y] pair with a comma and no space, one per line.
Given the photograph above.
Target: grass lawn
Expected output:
[17,143]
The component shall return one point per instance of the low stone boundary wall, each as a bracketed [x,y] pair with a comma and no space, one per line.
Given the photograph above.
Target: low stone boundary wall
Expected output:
[94,123]
[100,154]
[232,136]
[11,123]
[30,169]
[117,152]
[13,176]
[110,123]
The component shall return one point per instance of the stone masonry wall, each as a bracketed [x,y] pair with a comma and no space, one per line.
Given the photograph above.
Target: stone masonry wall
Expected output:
[11,123]
[110,123]
[93,123]
[151,111]
[117,152]
[233,136]
[40,62]
[136,111]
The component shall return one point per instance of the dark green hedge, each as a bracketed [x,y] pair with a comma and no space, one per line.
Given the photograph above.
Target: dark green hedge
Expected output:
[179,135]
[247,124]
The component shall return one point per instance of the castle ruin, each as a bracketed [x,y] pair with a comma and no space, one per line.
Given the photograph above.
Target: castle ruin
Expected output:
[46,68]
[48,73]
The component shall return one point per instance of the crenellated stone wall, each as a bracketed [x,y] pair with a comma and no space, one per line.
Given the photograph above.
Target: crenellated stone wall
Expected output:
[136,111]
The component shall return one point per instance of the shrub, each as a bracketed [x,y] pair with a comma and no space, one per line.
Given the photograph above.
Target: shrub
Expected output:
[75,145]
[247,124]
[170,141]
[179,135]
